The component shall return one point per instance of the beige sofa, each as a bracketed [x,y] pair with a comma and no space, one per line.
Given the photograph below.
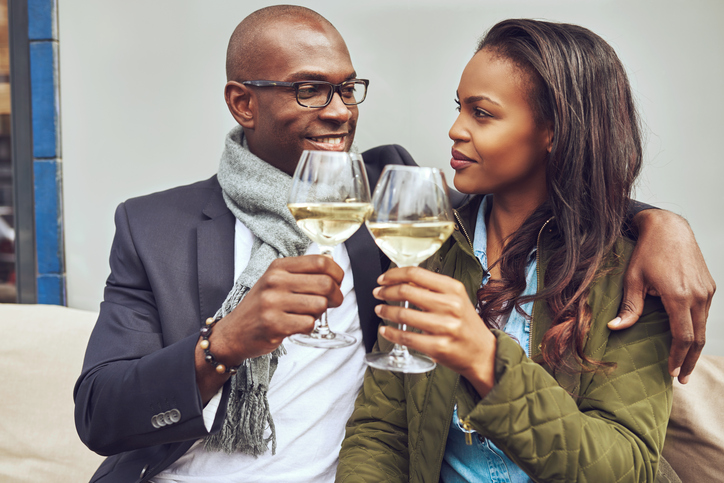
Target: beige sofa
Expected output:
[41,353]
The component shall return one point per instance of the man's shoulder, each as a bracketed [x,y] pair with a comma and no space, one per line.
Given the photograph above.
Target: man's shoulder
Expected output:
[203,198]
[377,158]
[198,189]
[388,154]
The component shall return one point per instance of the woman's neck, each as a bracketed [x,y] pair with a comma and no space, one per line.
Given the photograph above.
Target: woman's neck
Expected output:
[504,218]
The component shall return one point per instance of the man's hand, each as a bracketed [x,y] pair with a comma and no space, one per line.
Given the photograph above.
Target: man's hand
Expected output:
[667,262]
[286,300]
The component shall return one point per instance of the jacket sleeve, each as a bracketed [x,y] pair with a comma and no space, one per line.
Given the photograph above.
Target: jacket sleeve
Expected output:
[613,432]
[375,446]
[134,390]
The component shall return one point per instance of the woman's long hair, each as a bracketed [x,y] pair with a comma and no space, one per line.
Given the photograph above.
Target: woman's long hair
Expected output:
[577,84]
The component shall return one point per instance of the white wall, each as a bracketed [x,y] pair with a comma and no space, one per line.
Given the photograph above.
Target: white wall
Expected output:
[142,104]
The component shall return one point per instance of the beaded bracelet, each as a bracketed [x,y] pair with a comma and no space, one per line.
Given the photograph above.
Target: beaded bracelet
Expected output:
[208,356]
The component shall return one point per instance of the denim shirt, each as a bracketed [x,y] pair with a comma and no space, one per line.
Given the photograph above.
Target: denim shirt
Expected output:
[483,462]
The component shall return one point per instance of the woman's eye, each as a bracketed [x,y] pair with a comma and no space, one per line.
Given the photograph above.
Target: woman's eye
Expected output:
[481,113]
[457,105]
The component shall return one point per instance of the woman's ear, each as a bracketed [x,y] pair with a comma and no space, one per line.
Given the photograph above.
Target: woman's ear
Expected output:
[550,135]
[241,103]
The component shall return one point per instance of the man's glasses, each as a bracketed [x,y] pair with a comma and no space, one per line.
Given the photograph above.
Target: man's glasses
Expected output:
[317,94]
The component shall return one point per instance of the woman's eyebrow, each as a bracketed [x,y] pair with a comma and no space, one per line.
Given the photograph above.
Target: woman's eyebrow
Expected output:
[472,99]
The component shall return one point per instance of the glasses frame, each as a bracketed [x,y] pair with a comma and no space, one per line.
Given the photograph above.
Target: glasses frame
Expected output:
[295,85]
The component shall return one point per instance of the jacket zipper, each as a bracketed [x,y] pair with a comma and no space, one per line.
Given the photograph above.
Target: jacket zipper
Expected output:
[441,455]
[462,227]
[537,277]
[466,424]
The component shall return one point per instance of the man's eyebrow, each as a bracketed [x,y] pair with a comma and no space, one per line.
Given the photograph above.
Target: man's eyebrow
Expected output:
[300,76]
[473,99]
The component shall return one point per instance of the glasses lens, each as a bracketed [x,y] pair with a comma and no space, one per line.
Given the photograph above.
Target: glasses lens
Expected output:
[353,92]
[313,95]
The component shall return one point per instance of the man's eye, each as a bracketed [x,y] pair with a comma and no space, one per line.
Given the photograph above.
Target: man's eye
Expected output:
[307,91]
[348,90]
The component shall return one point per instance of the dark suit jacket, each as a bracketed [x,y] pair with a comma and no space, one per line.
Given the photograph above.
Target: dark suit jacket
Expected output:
[172,263]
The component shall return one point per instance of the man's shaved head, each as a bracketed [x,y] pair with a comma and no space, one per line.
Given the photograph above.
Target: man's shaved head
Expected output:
[246,48]
[286,43]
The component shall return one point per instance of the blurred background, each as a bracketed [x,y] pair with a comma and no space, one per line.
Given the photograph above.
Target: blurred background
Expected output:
[142,109]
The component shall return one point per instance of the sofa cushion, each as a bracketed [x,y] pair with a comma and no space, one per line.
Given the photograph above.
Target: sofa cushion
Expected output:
[695,436]
[41,354]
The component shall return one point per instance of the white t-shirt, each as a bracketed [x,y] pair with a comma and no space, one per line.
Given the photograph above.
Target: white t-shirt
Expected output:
[311,396]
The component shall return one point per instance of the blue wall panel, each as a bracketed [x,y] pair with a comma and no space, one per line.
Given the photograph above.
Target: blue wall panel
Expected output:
[45,104]
[48,217]
[42,24]
[47,161]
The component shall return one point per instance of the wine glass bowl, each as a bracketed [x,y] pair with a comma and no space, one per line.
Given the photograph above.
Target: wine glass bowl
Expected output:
[330,199]
[410,220]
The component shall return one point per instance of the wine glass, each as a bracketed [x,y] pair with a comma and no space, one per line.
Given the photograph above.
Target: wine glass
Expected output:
[330,199]
[410,220]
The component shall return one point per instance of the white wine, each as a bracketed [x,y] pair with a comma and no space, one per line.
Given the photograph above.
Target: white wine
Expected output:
[329,224]
[408,244]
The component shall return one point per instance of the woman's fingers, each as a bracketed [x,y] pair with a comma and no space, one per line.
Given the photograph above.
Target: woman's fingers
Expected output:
[432,281]
[430,292]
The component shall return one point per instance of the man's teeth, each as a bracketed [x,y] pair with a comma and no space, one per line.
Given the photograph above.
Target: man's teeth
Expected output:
[328,140]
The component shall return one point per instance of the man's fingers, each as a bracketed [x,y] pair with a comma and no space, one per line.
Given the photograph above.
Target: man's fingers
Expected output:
[631,307]
[281,283]
[692,357]
[699,313]
[682,333]
[309,264]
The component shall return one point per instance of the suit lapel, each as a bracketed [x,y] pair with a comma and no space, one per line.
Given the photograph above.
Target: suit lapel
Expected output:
[215,254]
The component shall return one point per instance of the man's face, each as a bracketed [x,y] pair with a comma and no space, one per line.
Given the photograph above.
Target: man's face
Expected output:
[283,128]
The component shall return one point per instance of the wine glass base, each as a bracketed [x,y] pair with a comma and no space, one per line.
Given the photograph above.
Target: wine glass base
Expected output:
[408,363]
[332,340]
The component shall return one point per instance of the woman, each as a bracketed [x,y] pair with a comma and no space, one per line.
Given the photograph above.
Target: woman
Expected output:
[548,130]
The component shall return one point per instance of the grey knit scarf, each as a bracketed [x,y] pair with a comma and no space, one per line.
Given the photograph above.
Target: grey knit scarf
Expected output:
[256,193]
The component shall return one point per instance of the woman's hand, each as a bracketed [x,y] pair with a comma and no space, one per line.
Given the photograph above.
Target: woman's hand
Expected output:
[453,333]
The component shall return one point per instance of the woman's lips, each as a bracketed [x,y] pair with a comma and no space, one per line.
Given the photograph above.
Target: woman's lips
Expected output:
[459,160]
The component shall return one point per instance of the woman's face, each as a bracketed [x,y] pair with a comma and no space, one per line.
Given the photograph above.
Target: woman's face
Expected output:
[498,147]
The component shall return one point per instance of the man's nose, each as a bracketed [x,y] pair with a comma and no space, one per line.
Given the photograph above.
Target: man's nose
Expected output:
[336,110]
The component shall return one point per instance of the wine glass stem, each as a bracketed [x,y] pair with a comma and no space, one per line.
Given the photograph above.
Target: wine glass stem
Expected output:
[400,352]
[321,327]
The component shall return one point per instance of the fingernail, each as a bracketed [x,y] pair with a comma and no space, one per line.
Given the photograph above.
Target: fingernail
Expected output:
[376,291]
[684,379]
[381,278]
[615,322]
[382,330]
[675,372]
[378,309]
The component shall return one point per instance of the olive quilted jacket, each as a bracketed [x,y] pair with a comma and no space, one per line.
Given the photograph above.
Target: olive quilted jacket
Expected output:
[592,427]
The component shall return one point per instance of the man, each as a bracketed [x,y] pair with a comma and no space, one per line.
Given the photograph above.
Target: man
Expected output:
[166,402]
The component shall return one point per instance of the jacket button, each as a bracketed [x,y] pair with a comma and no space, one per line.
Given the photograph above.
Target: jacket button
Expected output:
[143,471]
[167,417]
[174,415]
[154,422]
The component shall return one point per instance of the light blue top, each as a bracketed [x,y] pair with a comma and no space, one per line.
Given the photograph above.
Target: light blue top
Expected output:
[483,462]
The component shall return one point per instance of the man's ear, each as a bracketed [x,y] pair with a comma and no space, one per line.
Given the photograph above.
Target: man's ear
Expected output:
[241,103]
